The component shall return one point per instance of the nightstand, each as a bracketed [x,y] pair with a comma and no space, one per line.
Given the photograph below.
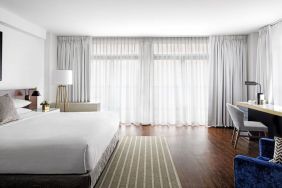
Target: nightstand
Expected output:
[50,110]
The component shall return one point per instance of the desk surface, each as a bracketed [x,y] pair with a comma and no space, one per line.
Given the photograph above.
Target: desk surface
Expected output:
[267,108]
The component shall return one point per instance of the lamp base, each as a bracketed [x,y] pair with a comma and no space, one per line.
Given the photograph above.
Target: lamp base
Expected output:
[62,97]
[260,98]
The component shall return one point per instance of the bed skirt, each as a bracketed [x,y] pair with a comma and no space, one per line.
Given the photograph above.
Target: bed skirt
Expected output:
[86,180]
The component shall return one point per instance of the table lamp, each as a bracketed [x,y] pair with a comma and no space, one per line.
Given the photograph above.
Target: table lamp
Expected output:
[62,78]
[260,95]
[35,93]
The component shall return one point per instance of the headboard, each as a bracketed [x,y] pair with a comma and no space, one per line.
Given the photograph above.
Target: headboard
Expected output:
[22,94]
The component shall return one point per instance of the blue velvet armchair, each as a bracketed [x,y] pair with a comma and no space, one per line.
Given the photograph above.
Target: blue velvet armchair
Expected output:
[258,172]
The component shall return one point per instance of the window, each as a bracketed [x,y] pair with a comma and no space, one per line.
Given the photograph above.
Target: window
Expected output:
[115,69]
[151,80]
[180,80]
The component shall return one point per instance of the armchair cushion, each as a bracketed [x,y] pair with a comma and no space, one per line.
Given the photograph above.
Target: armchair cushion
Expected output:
[253,172]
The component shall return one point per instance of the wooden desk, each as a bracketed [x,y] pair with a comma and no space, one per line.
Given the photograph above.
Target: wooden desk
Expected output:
[270,115]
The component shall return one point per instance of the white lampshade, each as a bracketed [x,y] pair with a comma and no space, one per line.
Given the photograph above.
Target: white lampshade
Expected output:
[63,77]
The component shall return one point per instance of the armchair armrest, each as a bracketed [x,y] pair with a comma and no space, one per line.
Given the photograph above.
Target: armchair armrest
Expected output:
[266,147]
[250,172]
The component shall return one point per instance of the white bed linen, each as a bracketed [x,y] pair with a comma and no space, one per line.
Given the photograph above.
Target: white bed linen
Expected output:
[56,143]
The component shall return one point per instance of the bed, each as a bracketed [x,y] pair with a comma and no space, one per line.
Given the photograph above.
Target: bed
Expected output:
[56,149]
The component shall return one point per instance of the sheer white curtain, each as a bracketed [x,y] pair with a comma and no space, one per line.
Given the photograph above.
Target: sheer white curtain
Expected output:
[228,61]
[115,76]
[151,80]
[179,82]
[276,38]
[264,62]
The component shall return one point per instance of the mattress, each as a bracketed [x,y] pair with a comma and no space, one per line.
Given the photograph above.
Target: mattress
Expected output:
[56,143]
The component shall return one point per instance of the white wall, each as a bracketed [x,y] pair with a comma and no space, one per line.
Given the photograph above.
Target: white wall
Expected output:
[13,21]
[252,60]
[50,66]
[23,54]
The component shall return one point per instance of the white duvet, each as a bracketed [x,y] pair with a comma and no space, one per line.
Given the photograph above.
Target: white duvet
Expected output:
[56,143]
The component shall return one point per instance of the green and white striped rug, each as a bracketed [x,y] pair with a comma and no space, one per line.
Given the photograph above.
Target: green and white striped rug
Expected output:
[140,161]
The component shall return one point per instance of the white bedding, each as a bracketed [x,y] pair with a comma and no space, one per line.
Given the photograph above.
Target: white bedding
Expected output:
[56,143]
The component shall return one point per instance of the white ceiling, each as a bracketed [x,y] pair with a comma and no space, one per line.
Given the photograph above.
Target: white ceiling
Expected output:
[147,17]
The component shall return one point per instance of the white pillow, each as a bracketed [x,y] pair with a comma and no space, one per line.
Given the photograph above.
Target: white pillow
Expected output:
[7,110]
[277,157]
[23,110]
[19,103]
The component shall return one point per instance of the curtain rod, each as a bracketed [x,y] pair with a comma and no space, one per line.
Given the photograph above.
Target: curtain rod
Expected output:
[152,36]
[137,36]
[272,24]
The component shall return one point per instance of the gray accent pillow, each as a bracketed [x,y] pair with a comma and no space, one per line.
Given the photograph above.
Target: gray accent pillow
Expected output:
[277,157]
[8,111]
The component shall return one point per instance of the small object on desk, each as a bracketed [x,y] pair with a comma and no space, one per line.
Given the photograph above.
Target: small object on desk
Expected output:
[251,101]
[50,110]
[263,102]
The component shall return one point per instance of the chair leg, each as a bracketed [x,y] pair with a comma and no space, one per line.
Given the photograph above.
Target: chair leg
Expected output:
[234,131]
[237,138]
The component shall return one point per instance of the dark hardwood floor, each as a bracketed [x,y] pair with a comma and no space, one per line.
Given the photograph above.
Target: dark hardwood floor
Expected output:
[203,156]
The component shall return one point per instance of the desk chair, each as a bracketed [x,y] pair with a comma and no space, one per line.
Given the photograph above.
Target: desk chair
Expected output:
[240,125]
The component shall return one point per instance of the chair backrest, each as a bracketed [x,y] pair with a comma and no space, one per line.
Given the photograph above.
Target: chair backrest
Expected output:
[237,115]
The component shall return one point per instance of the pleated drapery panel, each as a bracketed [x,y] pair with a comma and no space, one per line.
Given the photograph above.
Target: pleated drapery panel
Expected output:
[269,58]
[228,61]
[276,48]
[264,63]
[74,54]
